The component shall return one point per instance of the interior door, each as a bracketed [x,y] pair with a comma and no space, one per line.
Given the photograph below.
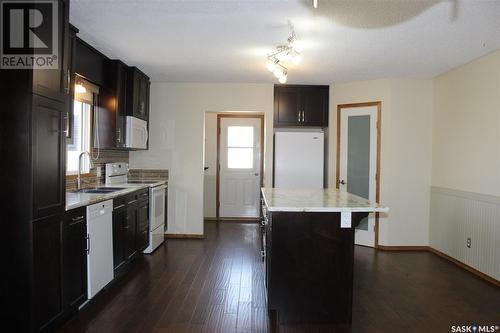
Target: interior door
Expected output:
[240,150]
[358,154]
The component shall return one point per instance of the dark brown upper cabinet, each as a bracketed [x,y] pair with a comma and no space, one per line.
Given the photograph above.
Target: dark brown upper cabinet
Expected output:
[71,65]
[55,83]
[301,105]
[137,104]
[49,152]
[37,101]
[111,104]
[124,92]
[89,62]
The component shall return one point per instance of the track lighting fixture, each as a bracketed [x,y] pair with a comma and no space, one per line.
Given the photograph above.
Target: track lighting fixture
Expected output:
[283,53]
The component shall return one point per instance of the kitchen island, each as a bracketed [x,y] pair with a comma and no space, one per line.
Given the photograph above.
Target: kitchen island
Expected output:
[308,249]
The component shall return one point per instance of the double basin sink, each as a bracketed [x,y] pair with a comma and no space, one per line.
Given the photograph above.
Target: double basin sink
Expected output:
[99,190]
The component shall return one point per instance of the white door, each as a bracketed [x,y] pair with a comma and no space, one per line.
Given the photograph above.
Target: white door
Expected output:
[358,154]
[239,169]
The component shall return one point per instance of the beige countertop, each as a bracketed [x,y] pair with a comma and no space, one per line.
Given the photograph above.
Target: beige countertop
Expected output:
[317,200]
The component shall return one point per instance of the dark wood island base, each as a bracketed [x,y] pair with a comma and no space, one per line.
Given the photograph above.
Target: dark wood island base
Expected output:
[309,267]
[308,251]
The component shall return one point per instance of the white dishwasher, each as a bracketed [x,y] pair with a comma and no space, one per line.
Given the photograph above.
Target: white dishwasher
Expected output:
[99,246]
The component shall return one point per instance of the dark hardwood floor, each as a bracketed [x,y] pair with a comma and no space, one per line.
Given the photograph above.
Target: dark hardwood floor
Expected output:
[217,285]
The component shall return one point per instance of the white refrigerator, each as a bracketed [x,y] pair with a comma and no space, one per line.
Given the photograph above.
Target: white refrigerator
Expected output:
[299,159]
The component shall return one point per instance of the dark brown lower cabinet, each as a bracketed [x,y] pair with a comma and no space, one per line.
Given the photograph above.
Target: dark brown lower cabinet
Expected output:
[130,228]
[74,256]
[142,227]
[119,222]
[47,245]
[130,231]
[60,267]
[309,266]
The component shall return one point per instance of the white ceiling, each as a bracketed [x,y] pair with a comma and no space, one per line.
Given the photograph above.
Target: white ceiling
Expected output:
[349,40]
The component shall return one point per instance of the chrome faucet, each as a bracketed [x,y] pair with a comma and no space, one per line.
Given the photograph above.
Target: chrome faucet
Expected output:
[78,179]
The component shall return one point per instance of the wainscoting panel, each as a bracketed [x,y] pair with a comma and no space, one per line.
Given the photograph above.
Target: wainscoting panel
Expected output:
[458,215]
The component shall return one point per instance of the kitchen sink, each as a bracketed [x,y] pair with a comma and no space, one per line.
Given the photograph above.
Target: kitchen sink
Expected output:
[99,190]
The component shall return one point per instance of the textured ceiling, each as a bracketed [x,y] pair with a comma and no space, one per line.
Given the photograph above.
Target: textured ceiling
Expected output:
[227,40]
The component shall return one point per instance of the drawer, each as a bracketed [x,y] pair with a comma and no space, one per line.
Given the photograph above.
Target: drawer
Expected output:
[131,198]
[142,194]
[119,202]
[137,197]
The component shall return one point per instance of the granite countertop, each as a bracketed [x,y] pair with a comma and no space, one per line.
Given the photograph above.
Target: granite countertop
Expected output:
[318,200]
[80,199]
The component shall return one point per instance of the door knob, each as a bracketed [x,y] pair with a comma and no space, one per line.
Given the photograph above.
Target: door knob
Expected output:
[256,174]
[342,182]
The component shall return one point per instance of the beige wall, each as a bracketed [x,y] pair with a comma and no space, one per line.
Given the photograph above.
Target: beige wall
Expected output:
[466,146]
[177,135]
[465,197]
[406,142]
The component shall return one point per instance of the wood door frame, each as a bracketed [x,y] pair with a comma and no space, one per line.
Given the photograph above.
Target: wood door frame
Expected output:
[378,104]
[237,115]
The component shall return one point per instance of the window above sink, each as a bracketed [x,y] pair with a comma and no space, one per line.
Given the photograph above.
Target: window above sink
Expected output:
[79,129]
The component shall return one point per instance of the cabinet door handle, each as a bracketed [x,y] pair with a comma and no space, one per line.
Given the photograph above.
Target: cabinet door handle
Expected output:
[302,115]
[146,135]
[76,220]
[119,135]
[131,202]
[68,82]
[298,116]
[119,206]
[88,244]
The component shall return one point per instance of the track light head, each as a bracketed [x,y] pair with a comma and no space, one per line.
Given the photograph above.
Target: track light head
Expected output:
[288,52]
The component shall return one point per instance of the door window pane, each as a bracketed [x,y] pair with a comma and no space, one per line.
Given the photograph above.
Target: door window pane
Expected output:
[240,158]
[240,136]
[358,159]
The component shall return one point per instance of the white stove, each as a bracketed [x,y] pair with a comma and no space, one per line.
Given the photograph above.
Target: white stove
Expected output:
[117,174]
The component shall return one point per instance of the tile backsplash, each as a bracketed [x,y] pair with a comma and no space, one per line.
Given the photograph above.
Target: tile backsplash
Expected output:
[109,156]
[148,174]
[105,156]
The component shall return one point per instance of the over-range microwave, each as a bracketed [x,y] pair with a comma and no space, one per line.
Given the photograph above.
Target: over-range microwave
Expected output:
[136,133]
